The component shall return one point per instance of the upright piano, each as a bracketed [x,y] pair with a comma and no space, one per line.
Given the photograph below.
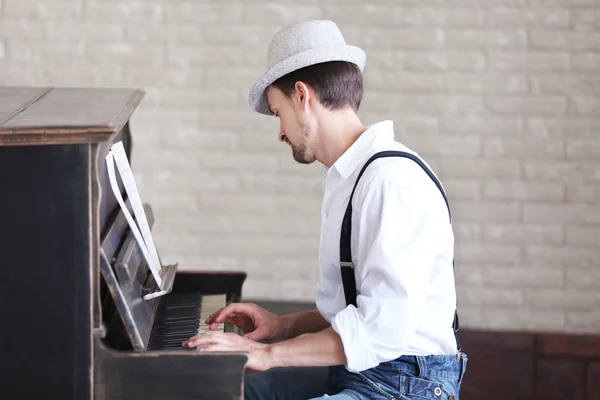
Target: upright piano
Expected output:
[74,323]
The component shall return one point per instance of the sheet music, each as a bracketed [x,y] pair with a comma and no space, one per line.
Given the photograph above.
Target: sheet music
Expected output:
[142,234]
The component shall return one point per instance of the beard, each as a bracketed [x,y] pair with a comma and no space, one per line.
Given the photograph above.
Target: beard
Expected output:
[299,151]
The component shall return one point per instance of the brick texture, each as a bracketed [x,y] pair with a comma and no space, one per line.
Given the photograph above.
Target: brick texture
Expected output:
[501,97]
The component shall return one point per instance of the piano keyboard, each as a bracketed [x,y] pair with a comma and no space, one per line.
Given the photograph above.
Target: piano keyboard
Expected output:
[180,316]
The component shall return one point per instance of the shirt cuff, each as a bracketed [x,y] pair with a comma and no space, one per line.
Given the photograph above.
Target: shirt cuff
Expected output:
[359,355]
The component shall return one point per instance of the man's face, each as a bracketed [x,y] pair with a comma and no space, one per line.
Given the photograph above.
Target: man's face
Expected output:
[293,128]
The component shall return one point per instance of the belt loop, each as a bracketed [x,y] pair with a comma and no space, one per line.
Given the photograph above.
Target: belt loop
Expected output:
[422,366]
[463,367]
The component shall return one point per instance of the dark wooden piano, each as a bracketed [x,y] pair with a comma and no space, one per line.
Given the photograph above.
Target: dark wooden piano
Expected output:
[73,321]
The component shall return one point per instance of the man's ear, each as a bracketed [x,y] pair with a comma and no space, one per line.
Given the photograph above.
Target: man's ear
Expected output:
[303,93]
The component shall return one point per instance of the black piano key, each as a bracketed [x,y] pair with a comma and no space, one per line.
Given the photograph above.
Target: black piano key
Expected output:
[177,319]
[180,328]
[184,334]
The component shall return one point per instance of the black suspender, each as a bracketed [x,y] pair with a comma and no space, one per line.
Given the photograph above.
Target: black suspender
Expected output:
[345,250]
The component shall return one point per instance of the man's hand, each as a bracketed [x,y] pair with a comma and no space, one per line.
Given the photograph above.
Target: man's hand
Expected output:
[256,322]
[259,358]
[323,348]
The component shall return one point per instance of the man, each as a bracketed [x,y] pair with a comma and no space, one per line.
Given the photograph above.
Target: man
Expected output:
[395,339]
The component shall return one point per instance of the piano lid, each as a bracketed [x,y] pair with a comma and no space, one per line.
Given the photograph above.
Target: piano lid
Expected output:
[40,115]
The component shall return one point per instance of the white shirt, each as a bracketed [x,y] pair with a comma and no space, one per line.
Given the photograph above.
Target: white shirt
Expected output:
[402,249]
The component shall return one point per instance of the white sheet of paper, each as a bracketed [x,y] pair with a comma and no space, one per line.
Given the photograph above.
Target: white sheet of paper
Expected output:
[142,234]
[134,197]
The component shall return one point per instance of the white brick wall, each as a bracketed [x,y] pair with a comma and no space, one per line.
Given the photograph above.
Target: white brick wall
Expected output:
[502,97]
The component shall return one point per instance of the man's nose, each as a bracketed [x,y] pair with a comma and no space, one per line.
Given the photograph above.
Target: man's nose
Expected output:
[281,134]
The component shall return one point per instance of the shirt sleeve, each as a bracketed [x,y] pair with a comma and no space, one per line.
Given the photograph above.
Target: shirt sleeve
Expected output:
[395,229]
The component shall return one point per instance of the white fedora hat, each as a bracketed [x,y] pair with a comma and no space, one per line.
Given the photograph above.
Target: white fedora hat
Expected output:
[299,46]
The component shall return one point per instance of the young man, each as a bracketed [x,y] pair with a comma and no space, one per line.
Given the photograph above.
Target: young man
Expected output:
[394,337]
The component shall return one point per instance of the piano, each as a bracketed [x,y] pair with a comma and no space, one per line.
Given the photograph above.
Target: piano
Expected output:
[74,320]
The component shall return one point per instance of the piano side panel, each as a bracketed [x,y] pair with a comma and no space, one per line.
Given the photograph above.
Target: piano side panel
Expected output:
[182,375]
[45,256]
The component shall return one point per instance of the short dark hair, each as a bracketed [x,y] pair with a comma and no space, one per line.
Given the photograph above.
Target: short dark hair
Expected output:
[337,84]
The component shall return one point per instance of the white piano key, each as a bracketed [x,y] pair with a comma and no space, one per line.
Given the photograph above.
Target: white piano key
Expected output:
[210,304]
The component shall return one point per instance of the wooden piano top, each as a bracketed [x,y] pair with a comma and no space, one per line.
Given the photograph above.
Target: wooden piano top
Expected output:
[47,115]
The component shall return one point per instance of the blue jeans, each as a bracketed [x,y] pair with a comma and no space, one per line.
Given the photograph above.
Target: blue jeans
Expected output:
[406,378]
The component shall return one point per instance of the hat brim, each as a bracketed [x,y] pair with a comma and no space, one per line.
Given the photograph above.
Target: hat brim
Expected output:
[258,96]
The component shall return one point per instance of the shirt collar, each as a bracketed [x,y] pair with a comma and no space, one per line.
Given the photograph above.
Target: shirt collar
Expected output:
[351,158]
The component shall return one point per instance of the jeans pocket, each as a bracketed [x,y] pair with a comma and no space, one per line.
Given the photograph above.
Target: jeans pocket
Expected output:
[418,388]
[381,388]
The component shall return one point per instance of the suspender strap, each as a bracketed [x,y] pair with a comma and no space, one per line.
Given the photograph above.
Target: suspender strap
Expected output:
[347,267]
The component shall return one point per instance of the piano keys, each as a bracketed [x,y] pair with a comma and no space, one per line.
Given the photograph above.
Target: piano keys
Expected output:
[181,316]
[74,277]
